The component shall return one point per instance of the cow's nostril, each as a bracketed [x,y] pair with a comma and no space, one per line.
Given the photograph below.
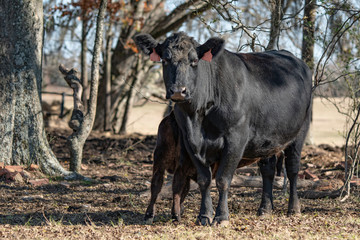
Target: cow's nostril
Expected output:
[183,91]
[178,93]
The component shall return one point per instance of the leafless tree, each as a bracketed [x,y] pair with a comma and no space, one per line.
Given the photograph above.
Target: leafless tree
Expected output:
[82,121]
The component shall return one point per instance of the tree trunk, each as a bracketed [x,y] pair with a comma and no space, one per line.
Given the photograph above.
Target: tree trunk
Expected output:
[307,51]
[308,42]
[22,135]
[276,17]
[107,82]
[84,75]
[128,105]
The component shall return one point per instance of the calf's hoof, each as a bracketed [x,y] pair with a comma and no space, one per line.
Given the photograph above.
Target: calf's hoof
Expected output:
[203,220]
[176,218]
[182,209]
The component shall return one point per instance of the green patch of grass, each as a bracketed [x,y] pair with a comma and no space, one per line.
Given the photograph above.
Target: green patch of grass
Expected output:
[56,179]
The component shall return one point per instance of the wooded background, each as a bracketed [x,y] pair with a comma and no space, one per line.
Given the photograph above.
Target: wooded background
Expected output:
[323,33]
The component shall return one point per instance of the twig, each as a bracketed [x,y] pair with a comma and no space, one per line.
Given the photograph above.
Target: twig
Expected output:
[131,146]
[348,175]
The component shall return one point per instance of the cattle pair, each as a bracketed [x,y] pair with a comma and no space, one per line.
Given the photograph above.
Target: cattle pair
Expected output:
[166,158]
[232,109]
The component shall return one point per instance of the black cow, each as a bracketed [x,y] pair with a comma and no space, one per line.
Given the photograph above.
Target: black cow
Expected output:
[231,107]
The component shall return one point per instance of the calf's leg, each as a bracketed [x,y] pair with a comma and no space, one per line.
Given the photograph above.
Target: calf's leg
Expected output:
[180,189]
[184,194]
[156,184]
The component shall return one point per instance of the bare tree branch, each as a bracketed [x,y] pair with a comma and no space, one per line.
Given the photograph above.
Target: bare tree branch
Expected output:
[227,16]
[178,16]
[331,47]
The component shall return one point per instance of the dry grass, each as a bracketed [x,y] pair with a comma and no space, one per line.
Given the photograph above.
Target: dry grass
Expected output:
[111,207]
[315,223]
[328,124]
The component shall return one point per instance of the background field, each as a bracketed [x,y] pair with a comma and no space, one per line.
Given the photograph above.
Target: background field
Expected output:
[328,123]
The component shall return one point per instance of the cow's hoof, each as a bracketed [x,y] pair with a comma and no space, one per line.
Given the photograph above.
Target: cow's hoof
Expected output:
[149,218]
[262,212]
[149,221]
[203,221]
[295,209]
[220,223]
[293,212]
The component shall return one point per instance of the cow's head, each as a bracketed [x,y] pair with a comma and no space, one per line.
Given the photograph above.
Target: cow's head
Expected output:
[182,58]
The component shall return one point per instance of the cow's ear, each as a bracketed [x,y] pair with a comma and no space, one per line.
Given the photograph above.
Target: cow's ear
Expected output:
[148,45]
[210,48]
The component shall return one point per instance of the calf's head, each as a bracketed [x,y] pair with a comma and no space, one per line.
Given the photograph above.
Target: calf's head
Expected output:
[182,59]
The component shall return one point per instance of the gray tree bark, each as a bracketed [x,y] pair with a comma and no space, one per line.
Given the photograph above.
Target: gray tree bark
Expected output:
[307,50]
[84,75]
[107,78]
[276,17]
[308,43]
[22,135]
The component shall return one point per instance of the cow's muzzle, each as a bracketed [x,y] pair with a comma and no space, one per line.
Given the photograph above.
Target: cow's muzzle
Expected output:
[178,95]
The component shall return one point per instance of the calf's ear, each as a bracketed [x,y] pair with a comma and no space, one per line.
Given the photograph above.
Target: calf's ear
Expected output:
[148,45]
[210,48]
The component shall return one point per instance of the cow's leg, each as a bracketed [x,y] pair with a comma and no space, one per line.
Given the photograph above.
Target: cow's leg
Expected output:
[204,181]
[292,165]
[279,164]
[227,166]
[267,169]
[156,184]
[203,177]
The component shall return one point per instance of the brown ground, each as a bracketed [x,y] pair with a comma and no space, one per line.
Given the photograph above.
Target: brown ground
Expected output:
[111,207]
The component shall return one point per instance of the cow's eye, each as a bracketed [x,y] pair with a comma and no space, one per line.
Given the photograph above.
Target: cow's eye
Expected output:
[194,62]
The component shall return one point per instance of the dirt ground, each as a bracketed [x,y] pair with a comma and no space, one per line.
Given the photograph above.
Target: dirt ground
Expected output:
[112,206]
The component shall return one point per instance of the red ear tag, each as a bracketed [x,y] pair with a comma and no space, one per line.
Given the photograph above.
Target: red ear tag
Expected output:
[207,56]
[154,56]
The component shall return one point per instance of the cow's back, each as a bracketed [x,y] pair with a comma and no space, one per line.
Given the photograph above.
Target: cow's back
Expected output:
[269,93]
